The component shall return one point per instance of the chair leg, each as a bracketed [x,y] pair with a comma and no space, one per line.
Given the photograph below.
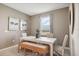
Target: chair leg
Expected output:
[62,52]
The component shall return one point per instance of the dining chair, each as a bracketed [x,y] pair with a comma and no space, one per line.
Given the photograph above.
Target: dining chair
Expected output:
[50,35]
[60,48]
[24,34]
[47,34]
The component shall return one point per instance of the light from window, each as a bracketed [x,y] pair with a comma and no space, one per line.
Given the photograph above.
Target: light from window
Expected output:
[45,24]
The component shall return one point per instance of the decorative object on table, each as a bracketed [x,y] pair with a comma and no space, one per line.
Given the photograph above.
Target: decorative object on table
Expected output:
[13,24]
[37,33]
[23,25]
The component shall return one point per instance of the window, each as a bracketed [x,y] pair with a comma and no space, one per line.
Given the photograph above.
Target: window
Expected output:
[45,24]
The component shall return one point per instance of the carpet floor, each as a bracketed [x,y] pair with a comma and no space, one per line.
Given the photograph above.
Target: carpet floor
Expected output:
[13,51]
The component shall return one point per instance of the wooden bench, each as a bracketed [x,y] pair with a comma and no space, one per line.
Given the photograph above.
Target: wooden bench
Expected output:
[34,47]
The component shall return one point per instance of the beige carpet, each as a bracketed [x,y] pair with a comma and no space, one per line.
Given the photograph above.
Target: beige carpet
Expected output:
[13,51]
[10,51]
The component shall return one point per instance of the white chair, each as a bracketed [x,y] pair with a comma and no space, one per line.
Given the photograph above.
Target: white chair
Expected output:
[50,35]
[47,34]
[60,49]
[24,34]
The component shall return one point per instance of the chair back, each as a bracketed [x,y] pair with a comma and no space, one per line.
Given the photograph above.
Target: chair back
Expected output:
[24,34]
[50,35]
[65,40]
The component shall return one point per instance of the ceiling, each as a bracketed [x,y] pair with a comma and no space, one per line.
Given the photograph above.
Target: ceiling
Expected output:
[36,8]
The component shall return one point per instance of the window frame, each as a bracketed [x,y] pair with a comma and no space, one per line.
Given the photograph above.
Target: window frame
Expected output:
[48,25]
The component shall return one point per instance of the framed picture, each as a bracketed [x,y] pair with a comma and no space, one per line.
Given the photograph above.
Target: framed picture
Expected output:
[13,24]
[23,25]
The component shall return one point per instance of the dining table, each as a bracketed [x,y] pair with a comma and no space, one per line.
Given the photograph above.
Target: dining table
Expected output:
[41,40]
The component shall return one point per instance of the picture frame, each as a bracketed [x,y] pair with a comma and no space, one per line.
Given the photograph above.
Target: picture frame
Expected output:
[23,25]
[13,24]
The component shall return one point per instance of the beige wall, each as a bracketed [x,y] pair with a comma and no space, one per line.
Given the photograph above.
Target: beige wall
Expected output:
[59,18]
[60,21]
[6,38]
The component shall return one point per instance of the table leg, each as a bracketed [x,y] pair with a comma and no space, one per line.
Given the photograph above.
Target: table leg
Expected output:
[51,49]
